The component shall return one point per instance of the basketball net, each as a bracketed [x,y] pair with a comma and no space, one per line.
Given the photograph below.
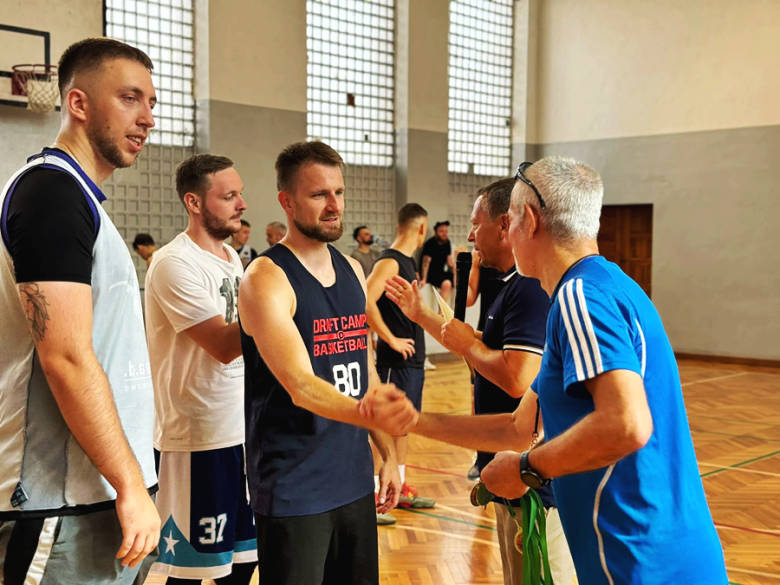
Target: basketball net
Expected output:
[39,84]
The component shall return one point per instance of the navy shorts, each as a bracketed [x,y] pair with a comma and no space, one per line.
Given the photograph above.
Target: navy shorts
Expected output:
[207,522]
[410,380]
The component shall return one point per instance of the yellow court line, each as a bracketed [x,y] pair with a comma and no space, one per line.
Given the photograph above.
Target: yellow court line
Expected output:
[475,516]
[442,533]
[749,572]
[716,379]
[742,469]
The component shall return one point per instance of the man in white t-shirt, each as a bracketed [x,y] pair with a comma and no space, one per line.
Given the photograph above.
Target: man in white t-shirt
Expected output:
[198,374]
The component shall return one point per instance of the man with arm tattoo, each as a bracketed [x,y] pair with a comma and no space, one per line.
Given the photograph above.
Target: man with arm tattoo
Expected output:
[76,403]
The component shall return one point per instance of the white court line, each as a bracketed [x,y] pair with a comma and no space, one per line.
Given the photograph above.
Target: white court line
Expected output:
[743,470]
[442,533]
[749,572]
[716,379]
[476,516]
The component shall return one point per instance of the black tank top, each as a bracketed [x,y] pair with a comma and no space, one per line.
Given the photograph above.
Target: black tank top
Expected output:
[299,463]
[397,322]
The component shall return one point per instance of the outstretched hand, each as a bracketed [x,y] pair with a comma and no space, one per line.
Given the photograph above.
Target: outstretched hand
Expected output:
[390,410]
[407,296]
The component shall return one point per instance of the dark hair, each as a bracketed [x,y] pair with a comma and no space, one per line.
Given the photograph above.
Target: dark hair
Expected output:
[89,54]
[142,240]
[496,197]
[297,155]
[193,174]
[440,223]
[409,212]
[245,223]
[357,231]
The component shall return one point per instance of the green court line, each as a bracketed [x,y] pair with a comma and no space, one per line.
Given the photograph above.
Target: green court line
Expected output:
[767,456]
[413,511]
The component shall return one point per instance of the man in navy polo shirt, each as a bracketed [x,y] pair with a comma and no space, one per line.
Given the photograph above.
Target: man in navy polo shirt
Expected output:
[506,357]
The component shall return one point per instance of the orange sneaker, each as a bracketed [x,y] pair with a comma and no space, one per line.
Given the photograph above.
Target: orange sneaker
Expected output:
[411,499]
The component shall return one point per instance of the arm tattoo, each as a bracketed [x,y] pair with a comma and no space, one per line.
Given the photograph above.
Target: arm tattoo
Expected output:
[35,306]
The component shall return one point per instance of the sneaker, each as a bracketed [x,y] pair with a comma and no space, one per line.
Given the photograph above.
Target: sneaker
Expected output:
[473,473]
[411,499]
[428,365]
[384,519]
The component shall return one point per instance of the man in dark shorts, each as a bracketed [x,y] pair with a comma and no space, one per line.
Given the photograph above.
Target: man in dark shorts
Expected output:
[436,264]
[506,357]
[77,417]
[307,363]
[400,351]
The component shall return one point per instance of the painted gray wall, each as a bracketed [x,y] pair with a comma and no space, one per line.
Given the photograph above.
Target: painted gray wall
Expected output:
[716,281]
[23,134]
[253,136]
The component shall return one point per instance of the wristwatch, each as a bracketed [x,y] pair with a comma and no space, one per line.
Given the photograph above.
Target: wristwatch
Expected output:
[529,476]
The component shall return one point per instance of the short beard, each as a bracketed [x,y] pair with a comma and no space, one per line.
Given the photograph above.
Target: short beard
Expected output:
[107,149]
[317,233]
[219,229]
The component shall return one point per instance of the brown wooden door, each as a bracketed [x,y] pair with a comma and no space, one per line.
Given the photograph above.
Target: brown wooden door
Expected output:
[626,238]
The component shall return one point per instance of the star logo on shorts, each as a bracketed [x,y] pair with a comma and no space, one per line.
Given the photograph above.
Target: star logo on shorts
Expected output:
[170,542]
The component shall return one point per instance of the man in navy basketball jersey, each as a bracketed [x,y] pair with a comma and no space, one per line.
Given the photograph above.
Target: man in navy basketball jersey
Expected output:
[304,338]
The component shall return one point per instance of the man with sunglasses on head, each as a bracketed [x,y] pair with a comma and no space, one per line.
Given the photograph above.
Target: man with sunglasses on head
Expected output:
[617,443]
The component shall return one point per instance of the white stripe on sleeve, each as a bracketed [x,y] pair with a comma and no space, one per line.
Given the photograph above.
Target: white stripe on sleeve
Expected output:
[575,319]
[527,348]
[644,347]
[572,339]
[589,326]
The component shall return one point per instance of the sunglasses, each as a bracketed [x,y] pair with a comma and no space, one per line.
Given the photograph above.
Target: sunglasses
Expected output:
[520,176]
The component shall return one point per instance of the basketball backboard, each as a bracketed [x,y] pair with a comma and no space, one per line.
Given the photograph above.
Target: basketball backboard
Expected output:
[20,46]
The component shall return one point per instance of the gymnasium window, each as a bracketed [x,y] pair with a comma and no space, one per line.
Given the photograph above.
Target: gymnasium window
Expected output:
[480,86]
[163,29]
[350,71]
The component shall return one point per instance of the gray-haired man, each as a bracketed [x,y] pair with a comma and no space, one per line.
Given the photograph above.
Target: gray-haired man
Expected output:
[618,443]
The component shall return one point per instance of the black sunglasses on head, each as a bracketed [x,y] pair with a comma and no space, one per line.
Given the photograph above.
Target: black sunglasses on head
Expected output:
[520,176]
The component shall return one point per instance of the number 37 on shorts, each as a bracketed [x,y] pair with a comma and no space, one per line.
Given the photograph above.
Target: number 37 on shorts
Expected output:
[346,378]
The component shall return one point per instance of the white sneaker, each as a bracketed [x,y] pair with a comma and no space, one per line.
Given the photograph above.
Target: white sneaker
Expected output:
[428,365]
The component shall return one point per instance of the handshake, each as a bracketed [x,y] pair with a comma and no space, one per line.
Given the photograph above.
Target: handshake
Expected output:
[389,410]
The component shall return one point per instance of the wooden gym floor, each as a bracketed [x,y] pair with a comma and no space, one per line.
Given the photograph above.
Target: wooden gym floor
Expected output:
[734,414]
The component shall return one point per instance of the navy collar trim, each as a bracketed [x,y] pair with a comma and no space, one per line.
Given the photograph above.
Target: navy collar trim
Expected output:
[68,159]
[507,276]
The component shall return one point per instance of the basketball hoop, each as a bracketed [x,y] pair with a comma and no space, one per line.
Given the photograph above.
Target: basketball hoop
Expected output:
[39,84]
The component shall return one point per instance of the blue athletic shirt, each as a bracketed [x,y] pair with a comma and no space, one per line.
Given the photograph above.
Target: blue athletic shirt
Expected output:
[643,520]
[299,463]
